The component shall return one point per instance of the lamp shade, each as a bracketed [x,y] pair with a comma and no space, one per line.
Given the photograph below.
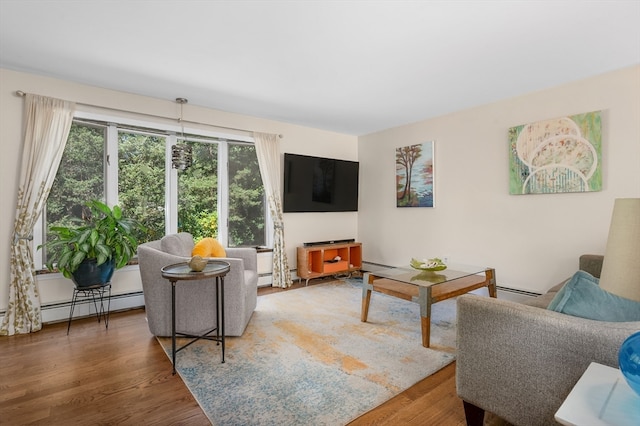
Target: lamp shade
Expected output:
[621,266]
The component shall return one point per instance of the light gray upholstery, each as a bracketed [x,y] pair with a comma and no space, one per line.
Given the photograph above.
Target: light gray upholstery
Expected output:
[196,300]
[520,361]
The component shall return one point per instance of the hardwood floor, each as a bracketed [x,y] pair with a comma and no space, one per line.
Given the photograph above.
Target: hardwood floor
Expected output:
[93,376]
[121,376]
[432,401]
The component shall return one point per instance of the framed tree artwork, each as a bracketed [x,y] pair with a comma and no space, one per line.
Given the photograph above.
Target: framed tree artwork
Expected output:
[414,175]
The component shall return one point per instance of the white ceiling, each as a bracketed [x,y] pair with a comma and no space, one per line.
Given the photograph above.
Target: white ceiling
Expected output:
[352,67]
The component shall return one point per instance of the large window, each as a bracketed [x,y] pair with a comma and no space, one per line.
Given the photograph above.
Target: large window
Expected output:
[220,195]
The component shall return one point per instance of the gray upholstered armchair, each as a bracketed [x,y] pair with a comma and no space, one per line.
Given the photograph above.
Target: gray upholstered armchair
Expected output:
[520,361]
[195,300]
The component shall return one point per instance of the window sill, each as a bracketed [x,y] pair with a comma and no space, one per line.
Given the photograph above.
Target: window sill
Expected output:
[134,262]
[45,271]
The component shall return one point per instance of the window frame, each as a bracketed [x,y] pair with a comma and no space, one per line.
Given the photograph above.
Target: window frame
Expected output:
[172,132]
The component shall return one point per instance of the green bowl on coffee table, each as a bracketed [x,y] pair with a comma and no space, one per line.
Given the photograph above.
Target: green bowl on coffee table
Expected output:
[431,265]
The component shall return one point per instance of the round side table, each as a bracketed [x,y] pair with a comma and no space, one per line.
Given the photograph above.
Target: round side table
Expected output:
[216,269]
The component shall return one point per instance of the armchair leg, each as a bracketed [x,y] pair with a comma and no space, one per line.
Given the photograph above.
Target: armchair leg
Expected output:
[473,414]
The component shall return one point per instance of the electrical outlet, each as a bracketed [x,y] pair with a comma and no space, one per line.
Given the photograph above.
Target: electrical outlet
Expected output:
[445,259]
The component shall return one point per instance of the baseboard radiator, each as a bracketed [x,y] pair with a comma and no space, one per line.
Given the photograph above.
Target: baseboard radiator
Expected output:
[57,312]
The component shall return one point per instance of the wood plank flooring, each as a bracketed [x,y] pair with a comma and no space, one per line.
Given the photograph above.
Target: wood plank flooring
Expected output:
[121,376]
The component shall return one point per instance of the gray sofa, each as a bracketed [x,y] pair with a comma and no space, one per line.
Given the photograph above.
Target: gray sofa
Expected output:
[520,361]
[195,300]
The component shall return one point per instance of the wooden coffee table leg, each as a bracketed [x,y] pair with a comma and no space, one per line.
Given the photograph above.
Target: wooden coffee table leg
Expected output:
[491,279]
[366,299]
[424,294]
[426,330]
[367,288]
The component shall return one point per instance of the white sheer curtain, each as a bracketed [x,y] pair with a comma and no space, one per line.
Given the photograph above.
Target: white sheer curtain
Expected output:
[47,124]
[268,152]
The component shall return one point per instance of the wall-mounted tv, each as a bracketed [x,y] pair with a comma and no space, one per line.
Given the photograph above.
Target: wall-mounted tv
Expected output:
[316,184]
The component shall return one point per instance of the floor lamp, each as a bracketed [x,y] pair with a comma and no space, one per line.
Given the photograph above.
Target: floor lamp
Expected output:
[621,266]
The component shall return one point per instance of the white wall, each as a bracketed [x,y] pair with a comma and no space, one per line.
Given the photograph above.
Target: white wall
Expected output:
[533,241]
[299,227]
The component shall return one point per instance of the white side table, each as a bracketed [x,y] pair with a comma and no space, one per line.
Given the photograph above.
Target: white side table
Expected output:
[601,397]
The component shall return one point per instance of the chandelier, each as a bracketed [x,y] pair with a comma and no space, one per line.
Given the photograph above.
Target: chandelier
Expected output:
[181,155]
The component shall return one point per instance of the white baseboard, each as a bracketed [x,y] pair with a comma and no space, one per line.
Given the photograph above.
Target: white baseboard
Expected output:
[60,311]
[265,280]
[57,312]
[507,294]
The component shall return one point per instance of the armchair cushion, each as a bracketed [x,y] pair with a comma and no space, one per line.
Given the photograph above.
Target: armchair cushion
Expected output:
[179,244]
[208,247]
[582,297]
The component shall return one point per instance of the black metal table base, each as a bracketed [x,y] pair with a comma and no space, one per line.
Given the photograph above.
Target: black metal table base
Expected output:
[219,328]
[217,338]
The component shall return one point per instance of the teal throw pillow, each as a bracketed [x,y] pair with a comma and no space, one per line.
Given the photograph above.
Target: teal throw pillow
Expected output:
[582,297]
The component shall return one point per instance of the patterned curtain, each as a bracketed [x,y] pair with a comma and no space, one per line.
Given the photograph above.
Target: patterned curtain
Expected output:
[47,124]
[268,152]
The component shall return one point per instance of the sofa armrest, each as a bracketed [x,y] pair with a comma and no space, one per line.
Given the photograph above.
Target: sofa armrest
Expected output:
[151,260]
[248,255]
[592,263]
[520,362]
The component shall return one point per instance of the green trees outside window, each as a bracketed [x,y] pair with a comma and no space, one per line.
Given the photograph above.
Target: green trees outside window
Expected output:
[246,197]
[141,181]
[80,176]
[198,192]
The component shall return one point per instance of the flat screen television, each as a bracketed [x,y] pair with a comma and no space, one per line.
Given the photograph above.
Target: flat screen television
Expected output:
[316,184]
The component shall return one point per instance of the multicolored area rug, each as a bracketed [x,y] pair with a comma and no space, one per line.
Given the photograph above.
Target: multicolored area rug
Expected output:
[307,359]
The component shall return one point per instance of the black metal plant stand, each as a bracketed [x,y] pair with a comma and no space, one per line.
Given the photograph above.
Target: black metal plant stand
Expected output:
[95,293]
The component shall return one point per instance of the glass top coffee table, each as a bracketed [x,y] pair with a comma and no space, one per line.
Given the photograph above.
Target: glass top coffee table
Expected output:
[426,288]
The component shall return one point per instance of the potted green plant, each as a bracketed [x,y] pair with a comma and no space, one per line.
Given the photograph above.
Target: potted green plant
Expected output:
[90,252]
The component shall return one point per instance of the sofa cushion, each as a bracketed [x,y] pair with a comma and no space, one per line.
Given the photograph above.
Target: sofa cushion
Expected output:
[208,247]
[582,297]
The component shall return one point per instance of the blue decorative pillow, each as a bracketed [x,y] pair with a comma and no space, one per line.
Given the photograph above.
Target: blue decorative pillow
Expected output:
[582,297]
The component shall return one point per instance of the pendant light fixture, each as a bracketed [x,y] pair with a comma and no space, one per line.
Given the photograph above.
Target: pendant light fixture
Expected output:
[181,155]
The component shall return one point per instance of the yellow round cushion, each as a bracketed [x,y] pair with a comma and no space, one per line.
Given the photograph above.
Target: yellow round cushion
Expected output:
[208,247]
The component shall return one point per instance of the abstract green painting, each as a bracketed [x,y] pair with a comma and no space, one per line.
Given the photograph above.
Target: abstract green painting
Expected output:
[556,156]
